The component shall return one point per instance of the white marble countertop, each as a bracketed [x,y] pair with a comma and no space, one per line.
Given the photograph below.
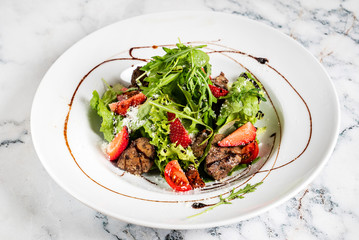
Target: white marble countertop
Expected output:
[33,34]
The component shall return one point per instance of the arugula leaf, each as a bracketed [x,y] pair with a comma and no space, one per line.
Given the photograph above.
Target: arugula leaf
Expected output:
[155,86]
[180,75]
[178,113]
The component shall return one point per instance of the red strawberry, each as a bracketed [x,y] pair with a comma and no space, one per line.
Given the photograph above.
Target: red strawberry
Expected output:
[217,91]
[171,116]
[178,133]
[241,136]
[118,144]
[121,107]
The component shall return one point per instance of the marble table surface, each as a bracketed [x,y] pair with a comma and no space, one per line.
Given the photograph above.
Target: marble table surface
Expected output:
[33,34]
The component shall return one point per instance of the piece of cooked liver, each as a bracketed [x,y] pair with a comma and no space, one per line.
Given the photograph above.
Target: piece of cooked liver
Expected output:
[221,160]
[220,81]
[220,169]
[136,74]
[194,178]
[143,145]
[146,163]
[197,146]
[134,161]
[130,161]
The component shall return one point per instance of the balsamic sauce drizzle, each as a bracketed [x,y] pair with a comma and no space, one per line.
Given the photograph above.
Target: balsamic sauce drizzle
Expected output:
[261,60]
[196,204]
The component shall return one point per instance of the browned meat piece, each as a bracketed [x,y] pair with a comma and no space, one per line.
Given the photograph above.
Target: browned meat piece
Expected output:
[220,169]
[127,95]
[134,161]
[220,81]
[221,160]
[217,154]
[131,93]
[193,177]
[136,74]
[236,150]
[146,163]
[196,146]
[130,161]
[121,162]
[217,138]
[143,145]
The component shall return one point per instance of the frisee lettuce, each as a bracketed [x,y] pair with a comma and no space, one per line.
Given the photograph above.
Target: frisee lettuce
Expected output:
[157,128]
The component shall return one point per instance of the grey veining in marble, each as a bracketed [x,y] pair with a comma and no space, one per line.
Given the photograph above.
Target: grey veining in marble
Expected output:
[33,34]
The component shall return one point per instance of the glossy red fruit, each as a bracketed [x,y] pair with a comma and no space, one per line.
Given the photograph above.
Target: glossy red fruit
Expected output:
[217,91]
[178,134]
[242,136]
[121,107]
[118,144]
[249,152]
[171,116]
[176,178]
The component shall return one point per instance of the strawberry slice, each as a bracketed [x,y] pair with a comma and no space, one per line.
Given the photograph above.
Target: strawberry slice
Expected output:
[178,134]
[217,91]
[171,116]
[241,136]
[118,144]
[121,107]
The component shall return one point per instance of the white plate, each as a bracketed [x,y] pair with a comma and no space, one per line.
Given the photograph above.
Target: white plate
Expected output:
[304,100]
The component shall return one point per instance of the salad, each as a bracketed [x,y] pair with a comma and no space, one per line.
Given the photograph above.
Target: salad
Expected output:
[177,120]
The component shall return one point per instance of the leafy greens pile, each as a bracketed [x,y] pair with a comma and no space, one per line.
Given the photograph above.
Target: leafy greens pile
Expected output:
[178,83]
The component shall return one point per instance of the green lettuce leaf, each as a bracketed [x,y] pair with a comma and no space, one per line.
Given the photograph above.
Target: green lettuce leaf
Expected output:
[242,101]
[110,122]
[157,128]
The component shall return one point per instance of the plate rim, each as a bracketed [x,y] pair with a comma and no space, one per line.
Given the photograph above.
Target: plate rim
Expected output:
[290,194]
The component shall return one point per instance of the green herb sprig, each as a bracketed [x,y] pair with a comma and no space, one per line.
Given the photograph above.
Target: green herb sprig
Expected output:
[233,195]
